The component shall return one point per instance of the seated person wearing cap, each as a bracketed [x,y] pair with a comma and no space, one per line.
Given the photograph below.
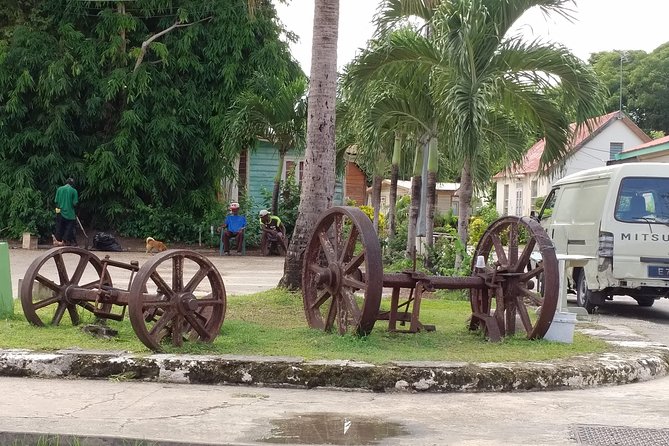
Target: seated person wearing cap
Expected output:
[234,226]
[273,232]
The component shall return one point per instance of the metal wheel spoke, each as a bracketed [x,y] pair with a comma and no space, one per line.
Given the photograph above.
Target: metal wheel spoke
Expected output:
[347,249]
[161,323]
[61,268]
[47,282]
[79,270]
[320,299]
[197,325]
[354,263]
[353,283]
[74,314]
[163,287]
[197,278]
[513,244]
[536,298]
[524,258]
[46,302]
[177,331]
[352,306]
[342,315]
[524,316]
[531,274]
[177,273]
[58,315]
[150,301]
[499,249]
[327,247]
[332,313]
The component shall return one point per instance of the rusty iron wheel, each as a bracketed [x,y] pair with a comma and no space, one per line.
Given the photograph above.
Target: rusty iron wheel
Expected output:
[177,295]
[516,283]
[44,291]
[342,261]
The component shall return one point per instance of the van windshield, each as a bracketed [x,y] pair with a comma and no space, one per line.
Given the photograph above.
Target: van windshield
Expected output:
[643,200]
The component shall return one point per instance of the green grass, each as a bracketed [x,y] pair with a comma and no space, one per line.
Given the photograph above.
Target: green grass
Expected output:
[272,323]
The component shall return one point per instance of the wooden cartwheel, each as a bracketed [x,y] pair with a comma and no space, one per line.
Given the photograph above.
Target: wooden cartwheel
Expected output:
[177,295]
[343,279]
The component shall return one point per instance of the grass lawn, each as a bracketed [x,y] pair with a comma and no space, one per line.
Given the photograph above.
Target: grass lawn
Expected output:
[272,323]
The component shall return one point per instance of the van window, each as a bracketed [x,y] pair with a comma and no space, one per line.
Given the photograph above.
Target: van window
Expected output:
[643,200]
[549,204]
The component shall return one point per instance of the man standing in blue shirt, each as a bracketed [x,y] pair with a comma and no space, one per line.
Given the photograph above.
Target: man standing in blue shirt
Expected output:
[233,227]
[67,198]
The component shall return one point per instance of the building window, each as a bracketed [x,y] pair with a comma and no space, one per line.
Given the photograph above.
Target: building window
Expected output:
[614,149]
[534,190]
[290,166]
[505,211]
[519,199]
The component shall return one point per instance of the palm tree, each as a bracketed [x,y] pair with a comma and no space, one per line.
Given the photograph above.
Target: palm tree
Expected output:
[319,170]
[489,85]
[277,116]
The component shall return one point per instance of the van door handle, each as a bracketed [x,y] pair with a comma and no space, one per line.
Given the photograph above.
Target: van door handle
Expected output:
[552,233]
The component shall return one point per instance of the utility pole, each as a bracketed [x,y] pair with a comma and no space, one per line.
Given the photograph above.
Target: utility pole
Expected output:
[623,58]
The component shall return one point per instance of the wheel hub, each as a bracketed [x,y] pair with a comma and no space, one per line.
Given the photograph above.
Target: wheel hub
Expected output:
[188,303]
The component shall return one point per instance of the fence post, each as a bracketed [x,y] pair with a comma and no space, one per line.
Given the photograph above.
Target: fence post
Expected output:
[6,298]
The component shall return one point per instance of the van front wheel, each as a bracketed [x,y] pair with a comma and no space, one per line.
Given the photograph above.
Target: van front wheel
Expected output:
[583,294]
[645,301]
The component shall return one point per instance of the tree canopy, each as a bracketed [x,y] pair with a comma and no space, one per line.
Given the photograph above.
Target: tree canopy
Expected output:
[127,97]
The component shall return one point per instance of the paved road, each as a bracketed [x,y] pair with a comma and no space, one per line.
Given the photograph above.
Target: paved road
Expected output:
[242,415]
[241,274]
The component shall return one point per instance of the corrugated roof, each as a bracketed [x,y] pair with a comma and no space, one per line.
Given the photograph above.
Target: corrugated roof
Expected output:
[653,143]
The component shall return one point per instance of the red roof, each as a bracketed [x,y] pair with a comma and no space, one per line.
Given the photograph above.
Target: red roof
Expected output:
[653,143]
[531,161]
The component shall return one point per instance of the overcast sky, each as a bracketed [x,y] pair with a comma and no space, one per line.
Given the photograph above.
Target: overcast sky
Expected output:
[600,25]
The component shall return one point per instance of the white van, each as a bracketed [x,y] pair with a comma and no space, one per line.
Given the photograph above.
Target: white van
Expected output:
[617,215]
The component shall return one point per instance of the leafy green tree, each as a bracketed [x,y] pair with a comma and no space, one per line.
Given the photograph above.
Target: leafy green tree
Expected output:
[649,90]
[130,99]
[490,85]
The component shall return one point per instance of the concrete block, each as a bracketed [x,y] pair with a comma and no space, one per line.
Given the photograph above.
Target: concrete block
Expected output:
[29,241]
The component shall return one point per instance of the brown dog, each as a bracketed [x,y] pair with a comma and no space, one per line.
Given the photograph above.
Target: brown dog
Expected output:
[154,245]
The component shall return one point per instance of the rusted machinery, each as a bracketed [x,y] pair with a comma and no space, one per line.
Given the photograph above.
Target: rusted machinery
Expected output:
[343,279]
[177,295]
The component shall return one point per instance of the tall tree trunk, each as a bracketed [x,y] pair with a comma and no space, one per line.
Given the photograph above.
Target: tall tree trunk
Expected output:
[376,199]
[466,193]
[319,169]
[431,199]
[277,181]
[414,208]
[432,171]
[394,177]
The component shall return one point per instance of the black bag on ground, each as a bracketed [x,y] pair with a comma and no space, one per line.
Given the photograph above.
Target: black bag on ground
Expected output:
[106,242]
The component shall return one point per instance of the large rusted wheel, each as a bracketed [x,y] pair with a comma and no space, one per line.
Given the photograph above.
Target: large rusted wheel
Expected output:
[46,290]
[177,295]
[342,275]
[512,275]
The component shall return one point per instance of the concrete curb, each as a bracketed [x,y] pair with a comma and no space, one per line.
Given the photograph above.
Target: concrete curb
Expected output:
[575,373]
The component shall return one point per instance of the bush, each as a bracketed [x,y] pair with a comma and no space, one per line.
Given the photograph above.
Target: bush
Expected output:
[442,255]
[369,212]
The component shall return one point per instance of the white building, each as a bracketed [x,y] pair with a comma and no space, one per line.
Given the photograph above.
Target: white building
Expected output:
[608,135]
